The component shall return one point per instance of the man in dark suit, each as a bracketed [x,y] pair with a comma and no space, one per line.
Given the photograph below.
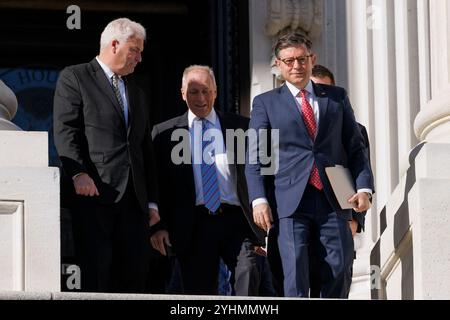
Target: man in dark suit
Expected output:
[322,75]
[204,203]
[103,138]
[316,129]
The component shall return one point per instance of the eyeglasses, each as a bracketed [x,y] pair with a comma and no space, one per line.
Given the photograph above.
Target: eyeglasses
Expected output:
[301,60]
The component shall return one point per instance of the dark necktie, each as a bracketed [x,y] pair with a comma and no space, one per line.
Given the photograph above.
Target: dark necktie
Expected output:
[311,126]
[115,83]
[211,192]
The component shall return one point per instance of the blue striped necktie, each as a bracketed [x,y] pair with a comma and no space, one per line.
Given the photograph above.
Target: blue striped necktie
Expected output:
[211,192]
[115,84]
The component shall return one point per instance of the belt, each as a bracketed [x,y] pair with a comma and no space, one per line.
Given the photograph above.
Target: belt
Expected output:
[224,207]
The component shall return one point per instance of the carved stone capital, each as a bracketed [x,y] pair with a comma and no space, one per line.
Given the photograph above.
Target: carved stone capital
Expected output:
[303,15]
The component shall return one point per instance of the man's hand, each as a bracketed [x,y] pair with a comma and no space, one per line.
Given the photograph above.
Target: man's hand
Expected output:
[158,239]
[353,226]
[261,251]
[262,215]
[85,186]
[360,202]
[153,217]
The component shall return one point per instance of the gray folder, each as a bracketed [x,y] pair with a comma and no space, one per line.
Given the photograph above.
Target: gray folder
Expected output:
[342,183]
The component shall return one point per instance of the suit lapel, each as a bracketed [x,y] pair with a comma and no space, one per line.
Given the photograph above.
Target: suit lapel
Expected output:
[290,106]
[323,101]
[226,123]
[182,122]
[186,170]
[105,86]
[131,99]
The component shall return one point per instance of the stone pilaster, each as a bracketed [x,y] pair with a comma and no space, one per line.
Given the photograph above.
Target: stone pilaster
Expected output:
[29,206]
[430,195]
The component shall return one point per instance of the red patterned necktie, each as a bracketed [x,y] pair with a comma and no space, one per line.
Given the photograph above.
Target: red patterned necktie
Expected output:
[310,122]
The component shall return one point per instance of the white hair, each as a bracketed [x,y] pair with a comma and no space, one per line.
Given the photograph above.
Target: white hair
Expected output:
[121,29]
[201,68]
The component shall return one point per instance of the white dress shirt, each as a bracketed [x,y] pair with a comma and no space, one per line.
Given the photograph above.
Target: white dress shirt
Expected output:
[122,89]
[226,175]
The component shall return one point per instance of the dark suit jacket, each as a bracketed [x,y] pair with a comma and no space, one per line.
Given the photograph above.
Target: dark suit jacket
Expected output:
[338,142]
[176,182]
[361,216]
[91,136]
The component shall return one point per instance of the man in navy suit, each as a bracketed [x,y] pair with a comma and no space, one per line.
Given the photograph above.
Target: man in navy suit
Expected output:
[316,129]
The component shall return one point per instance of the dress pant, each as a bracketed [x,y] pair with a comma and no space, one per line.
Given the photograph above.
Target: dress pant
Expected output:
[225,235]
[315,225]
[315,273]
[111,243]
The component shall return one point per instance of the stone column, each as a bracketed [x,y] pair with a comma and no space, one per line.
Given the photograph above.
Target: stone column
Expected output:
[8,108]
[430,201]
[360,83]
[29,214]
[432,124]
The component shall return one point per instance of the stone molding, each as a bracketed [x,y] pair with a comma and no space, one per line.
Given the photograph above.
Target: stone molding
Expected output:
[303,15]
[8,107]
[436,114]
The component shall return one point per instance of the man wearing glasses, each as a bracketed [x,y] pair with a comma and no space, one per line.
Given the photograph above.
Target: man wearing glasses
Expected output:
[317,129]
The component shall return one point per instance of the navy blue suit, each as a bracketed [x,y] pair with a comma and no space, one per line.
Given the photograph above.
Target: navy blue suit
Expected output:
[302,213]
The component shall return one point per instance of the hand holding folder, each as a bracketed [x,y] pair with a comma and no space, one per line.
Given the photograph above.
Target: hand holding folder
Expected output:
[343,185]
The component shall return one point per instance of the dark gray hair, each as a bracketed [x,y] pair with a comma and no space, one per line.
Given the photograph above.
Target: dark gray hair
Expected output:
[291,39]
[320,71]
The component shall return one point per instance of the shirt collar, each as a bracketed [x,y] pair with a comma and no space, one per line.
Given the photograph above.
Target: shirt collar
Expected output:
[211,117]
[294,90]
[109,73]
